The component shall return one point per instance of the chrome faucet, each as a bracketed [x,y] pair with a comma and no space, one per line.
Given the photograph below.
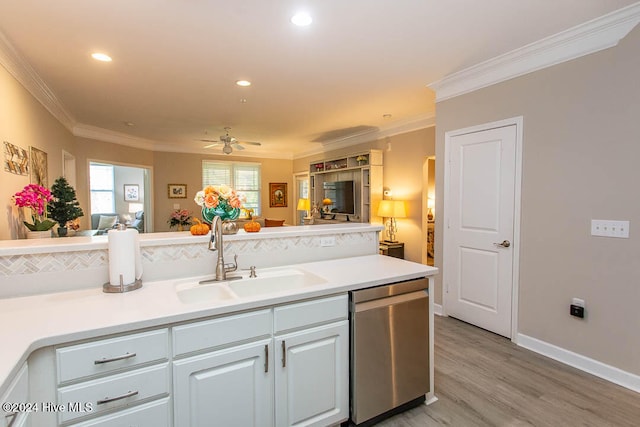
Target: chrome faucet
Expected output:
[215,244]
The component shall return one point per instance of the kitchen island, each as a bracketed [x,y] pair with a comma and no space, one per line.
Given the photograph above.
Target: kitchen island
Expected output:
[339,258]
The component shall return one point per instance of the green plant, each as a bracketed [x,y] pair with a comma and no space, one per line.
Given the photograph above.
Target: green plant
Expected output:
[64,207]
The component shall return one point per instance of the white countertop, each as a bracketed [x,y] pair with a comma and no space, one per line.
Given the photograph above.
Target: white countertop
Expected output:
[29,323]
[80,243]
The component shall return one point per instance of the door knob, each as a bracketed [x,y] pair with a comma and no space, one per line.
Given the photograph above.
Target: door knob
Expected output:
[504,244]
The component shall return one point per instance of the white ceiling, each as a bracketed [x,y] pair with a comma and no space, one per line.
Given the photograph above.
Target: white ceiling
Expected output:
[175,63]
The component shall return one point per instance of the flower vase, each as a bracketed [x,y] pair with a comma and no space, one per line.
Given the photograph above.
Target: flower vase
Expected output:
[39,234]
[226,213]
[180,227]
[62,232]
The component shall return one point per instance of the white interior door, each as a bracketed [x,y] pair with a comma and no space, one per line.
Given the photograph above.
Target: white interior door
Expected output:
[479,234]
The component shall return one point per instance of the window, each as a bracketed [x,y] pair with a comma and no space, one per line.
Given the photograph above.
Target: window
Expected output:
[242,177]
[101,185]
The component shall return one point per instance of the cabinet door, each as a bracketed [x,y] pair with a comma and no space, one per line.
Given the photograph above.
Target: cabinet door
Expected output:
[312,371]
[232,387]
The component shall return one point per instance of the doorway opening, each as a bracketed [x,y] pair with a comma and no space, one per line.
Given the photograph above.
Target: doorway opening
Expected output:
[123,192]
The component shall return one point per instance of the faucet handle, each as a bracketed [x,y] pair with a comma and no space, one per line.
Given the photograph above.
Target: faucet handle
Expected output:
[232,266]
[252,270]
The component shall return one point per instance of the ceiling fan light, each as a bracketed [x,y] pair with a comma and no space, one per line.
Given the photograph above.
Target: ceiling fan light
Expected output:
[227,149]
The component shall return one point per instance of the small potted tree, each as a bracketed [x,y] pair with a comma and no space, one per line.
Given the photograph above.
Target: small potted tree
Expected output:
[64,207]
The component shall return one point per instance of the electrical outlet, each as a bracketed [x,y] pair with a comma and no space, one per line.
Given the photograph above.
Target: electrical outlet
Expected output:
[327,241]
[577,308]
[176,206]
[610,228]
[577,301]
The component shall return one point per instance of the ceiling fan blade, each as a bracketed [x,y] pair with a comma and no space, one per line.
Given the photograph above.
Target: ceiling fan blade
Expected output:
[208,140]
[211,145]
[237,146]
[250,143]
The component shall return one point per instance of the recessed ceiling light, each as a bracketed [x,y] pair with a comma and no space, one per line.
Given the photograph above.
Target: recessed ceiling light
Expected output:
[243,83]
[130,124]
[101,57]
[386,116]
[301,19]
[243,100]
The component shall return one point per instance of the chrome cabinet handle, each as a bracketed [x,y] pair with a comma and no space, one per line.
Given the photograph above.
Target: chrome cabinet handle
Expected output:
[266,358]
[284,354]
[113,399]
[114,359]
[504,244]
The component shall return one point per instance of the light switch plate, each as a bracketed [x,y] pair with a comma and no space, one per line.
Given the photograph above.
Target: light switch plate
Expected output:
[610,228]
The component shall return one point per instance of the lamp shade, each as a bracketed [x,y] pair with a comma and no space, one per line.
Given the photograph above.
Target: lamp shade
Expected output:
[304,205]
[392,209]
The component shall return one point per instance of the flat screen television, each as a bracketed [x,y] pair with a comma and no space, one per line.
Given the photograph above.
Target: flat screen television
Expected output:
[342,195]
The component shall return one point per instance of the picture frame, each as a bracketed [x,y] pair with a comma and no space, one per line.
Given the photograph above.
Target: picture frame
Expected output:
[131,192]
[39,167]
[278,195]
[177,191]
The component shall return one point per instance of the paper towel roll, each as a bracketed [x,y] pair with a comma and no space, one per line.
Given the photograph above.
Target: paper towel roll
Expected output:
[124,256]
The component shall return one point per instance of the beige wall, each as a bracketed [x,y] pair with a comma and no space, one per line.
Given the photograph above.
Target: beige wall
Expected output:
[176,168]
[580,161]
[402,173]
[25,122]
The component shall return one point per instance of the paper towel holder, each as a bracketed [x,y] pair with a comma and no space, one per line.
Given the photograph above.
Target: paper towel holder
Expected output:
[121,288]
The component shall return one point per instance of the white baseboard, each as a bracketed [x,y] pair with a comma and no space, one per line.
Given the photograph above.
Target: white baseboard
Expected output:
[437,309]
[599,369]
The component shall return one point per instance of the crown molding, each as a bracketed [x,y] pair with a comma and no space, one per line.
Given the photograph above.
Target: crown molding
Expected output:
[105,135]
[592,36]
[397,128]
[20,69]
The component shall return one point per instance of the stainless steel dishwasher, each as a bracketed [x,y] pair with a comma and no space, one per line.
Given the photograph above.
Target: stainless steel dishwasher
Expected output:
[389,349]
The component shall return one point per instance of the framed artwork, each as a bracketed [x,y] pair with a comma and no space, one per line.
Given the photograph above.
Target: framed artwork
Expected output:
[16,159]
[177,191]
[277,194]
[39,167]
[131,193]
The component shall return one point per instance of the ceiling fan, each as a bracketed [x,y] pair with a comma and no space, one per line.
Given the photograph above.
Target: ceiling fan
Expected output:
[228,142]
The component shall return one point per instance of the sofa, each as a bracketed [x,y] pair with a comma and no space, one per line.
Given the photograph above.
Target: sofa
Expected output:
[102,222]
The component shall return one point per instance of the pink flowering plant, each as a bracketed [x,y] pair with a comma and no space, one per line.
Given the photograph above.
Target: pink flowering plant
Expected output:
[35,197]
[181,217]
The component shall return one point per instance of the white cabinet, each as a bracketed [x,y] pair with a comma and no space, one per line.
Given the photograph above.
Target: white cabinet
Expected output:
[312,376]
[232,382]
[111,377]
[231,387]
[17,394]
[242,375]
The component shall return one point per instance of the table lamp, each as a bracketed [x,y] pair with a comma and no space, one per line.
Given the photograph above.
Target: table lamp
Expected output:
[304,205]
[392,209]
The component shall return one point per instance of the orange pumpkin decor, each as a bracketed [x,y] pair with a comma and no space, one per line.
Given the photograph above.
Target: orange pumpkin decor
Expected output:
[252,227]
[199,228]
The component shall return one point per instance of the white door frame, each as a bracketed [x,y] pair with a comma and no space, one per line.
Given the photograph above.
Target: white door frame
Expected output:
[446,243]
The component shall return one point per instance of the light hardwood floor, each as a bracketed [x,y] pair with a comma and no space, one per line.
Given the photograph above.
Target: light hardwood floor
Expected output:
[482,379]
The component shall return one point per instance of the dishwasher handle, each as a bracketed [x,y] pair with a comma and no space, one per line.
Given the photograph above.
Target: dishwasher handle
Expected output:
[385,302]
[389,290]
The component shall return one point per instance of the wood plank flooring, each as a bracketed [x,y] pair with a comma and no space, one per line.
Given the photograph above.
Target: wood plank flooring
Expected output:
[482,379]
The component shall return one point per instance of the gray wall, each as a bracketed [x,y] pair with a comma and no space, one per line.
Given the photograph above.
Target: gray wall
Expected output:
[580,161]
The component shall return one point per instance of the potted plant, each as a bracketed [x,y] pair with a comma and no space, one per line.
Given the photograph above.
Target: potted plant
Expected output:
[64,207]
[35,197]
[180,218]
